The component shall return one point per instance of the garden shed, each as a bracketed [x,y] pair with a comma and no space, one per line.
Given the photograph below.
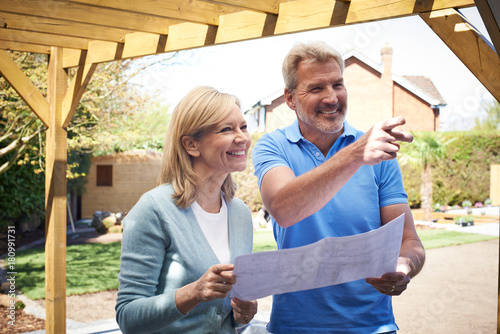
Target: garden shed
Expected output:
[116,182]
[82,33]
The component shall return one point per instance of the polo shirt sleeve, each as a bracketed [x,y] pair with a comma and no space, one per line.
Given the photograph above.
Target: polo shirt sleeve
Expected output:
[267,155]
[391,189]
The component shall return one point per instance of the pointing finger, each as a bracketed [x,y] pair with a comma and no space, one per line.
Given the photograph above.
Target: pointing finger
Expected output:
[393,122]
[401,136]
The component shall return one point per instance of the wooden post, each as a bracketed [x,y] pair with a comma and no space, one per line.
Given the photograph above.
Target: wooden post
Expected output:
[55,199]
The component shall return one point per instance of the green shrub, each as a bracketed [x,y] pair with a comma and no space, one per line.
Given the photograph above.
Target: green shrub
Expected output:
[463,175]
[22,195]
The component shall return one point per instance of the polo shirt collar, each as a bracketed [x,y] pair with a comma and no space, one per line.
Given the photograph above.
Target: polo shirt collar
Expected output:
[293,134]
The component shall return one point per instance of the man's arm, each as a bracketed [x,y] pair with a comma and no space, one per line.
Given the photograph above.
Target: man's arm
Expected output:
[290,199]
[411,257]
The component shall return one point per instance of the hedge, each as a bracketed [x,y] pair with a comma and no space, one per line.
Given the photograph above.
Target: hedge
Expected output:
[465,172]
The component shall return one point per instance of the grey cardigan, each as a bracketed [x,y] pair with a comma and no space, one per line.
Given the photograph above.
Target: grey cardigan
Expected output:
[163,249]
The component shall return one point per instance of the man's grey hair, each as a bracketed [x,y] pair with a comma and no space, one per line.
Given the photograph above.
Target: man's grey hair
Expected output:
[318,51]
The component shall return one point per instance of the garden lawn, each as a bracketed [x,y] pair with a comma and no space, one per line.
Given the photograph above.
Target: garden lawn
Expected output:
[95,267]
[264,240]
[444,238]
[89,268]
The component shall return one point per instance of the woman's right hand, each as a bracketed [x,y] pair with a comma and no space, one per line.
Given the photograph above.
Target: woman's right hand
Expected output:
[215,283]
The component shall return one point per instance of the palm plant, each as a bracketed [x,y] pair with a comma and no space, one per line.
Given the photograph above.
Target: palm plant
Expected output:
[427,148]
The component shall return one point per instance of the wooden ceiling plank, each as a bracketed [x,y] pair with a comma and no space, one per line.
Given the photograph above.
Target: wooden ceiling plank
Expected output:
[24,47]
[478,56]
[490,13]
[21,36]
[185,10]
[266,6]
[24,87]
[104,17]
[244,25]
[76,89]
[189,35]
[62,27]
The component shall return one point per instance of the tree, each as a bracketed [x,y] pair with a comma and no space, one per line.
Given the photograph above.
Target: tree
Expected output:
[104,121]
[492,120]
[428,148]
[20,130]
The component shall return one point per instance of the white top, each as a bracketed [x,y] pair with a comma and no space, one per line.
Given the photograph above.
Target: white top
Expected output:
[215,229]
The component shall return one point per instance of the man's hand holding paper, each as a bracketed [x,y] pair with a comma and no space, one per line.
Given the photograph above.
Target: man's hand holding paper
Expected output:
[330,261]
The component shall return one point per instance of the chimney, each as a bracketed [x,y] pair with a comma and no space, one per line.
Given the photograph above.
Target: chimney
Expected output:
[386,53]
[387,84]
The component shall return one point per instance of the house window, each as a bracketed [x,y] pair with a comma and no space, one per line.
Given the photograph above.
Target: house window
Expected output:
[104,175]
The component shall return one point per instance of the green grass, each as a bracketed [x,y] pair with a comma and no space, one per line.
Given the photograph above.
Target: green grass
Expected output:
[443,238]
[264,240]
[89,268]
[95,267]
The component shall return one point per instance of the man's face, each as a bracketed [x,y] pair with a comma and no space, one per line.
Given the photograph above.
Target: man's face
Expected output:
[320,99]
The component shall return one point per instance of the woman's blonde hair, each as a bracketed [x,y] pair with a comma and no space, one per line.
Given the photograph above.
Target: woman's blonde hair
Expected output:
[199,110]
[318,51]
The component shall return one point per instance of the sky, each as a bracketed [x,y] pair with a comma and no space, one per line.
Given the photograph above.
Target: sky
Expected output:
[251,70]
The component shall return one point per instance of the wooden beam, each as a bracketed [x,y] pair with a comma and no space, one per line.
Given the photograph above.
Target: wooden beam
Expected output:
[266,6]
[76,89]
[194,11]
[369,10]
[24,87]
[55,200]
[31,37]
[304,15]
[478,56]
[24,47]
[293,16]
[101,16]
[490,13]
[62,27]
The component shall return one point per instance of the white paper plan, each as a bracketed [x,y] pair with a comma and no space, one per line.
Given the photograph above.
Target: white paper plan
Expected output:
[329,261]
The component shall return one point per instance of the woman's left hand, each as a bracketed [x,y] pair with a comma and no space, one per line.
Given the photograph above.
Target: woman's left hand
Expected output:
[243,312]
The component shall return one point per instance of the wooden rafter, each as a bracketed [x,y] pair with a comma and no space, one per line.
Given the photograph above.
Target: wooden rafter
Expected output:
[57,27]
[478,56]
[189,11]
[267,6]
[98,16]
[490,13]
[292,16]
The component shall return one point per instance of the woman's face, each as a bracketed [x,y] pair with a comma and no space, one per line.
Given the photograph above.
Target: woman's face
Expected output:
[223,148]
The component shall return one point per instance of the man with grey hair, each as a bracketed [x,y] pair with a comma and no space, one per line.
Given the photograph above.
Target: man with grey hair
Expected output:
[320,177]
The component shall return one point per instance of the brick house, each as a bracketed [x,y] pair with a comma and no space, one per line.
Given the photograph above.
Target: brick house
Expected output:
[374,94]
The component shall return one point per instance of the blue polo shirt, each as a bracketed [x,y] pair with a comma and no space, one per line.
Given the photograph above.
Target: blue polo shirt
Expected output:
[354,307]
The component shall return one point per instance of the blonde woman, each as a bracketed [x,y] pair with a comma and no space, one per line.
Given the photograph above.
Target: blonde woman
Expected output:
[180,239]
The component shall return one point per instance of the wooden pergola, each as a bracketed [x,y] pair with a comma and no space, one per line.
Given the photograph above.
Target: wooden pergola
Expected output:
[82,33]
